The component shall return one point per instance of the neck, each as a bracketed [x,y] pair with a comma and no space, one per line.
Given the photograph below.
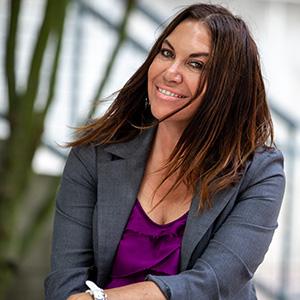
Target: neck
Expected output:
[165,141]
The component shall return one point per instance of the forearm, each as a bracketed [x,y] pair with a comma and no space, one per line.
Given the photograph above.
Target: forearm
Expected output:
[147,290]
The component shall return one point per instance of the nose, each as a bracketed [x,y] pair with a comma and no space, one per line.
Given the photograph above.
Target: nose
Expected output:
[173,74]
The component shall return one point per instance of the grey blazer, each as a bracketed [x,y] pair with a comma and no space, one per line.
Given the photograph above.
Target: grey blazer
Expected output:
[221,248]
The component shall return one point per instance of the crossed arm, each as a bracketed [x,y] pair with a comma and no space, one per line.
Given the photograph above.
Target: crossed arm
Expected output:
[139,291]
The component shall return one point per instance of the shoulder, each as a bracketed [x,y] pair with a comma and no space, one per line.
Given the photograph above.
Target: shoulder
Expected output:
[266,163]
[83,154]
[267,153]
[269,157]
[90,154]
[86,157]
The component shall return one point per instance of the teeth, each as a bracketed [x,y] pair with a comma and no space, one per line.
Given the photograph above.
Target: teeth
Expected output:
[168,93]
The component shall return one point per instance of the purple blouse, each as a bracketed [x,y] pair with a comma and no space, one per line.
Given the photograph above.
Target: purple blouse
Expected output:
[147,248]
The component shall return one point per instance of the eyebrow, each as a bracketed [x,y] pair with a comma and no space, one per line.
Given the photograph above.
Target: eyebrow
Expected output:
[198,54]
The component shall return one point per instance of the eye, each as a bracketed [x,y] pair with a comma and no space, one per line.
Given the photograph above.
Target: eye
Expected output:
[196,65]
[166,53]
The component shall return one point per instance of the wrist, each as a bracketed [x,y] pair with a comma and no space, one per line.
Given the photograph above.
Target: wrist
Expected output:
[95,291]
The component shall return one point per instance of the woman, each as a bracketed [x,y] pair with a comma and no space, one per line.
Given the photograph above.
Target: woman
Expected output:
[173,193]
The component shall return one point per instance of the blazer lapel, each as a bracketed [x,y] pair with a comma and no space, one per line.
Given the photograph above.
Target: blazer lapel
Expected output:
[118,184]
[198,223]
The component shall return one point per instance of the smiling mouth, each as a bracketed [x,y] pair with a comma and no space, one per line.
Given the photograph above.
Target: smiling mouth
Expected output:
[170,94]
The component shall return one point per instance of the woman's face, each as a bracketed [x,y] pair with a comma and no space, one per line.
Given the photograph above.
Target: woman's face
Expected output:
[173,76]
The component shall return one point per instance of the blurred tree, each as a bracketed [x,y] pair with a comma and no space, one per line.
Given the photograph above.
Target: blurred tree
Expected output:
[122,34]
[26,124]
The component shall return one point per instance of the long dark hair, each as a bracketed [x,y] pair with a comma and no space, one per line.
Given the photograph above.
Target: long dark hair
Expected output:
[232,121]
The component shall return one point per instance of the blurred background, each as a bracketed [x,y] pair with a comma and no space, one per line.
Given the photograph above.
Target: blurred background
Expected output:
[58,57]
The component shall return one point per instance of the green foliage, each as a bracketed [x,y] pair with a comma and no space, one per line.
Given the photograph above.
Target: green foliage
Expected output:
[122,33]
[26,125]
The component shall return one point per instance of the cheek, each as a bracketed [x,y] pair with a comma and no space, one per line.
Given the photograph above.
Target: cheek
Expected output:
[192,81]
[153,72]
[155,69]
[194,84]
[150,74]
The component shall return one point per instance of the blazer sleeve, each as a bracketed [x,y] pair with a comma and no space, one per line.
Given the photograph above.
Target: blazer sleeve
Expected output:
[238,247]
[72,257]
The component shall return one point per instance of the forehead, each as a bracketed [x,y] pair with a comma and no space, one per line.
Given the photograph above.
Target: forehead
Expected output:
[191,35]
